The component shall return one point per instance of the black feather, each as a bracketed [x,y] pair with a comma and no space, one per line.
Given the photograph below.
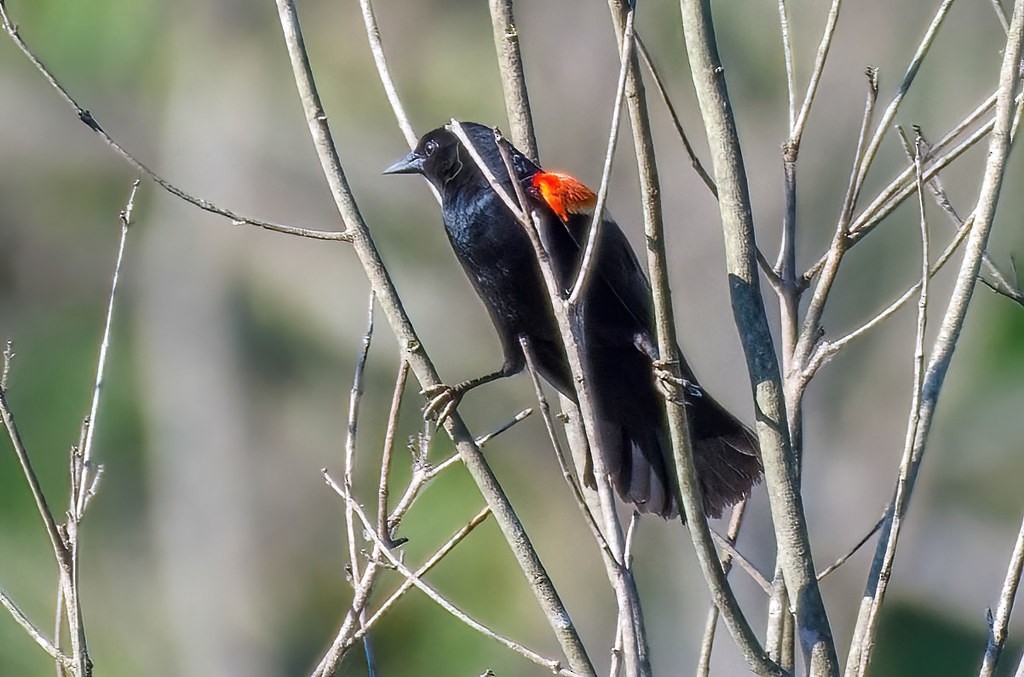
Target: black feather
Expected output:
[618,344]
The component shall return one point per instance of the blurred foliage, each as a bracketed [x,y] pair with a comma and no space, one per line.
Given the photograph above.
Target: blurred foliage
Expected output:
[202,92]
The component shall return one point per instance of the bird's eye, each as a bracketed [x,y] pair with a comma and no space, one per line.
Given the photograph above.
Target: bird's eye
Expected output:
[430,147]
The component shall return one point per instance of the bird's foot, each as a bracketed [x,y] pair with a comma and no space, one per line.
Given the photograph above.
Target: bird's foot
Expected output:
[673,386]
[441,401]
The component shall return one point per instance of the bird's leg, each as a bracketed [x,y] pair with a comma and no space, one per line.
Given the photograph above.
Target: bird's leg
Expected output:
[442,399]
[676,388]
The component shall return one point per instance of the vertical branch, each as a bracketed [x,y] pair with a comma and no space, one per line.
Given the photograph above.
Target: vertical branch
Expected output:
[796,131]
[908,79]
[387,296]
[513,80]
[377,49]
[569,317]
[86,483]
[383,528]
[679,427]
[355,397]
[586,267]
[708,643]
[841,239]
[781,471]
[998,625]
[787,54]
[942,351]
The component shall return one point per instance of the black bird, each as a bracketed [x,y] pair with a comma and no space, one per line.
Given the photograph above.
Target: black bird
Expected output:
[619,341]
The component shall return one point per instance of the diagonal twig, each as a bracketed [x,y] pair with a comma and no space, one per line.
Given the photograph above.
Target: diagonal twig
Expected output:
[89,121]
[413,351]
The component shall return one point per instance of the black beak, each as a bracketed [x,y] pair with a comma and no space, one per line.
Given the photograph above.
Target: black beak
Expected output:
[410,164]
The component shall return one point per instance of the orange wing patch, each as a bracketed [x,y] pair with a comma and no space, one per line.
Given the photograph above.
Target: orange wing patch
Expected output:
[564,194]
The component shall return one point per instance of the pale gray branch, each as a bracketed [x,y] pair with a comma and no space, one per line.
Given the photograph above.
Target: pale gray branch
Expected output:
[422,367]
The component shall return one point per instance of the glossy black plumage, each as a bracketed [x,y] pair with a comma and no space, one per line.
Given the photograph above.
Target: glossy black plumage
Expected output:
[619,341]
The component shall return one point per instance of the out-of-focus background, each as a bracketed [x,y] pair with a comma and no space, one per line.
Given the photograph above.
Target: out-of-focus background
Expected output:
[214,548]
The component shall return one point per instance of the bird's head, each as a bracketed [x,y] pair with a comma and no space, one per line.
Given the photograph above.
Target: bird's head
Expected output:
[436,157]
[440,158]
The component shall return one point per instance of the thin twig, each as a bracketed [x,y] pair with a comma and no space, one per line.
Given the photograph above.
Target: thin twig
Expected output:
[86,118]
[484,439]
[739,558]
[841,237]
[383,528]
[354,398]
[942,155]
[365,249]
[513,78]
[587,262]
[563,463]
[35,633]
[553,665]
[384,73]
[861,647]
[885,122]
[998,624]
[60,549]
[659,85]
[828,349]
[797,130]
[840,561]
[431,562]
[101,367]
[787,57]
[782,475]
[1001,15]
[732,532]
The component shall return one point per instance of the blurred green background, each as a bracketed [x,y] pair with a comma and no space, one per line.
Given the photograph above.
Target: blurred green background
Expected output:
[213,547]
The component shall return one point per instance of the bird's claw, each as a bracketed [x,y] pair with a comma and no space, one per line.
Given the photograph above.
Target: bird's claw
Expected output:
[675,388]
[441,402]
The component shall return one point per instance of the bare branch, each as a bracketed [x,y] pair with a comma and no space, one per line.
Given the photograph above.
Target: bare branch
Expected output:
[998,625]
[552,665]
[732,532]
[587,262]
[787,57]
[513,79]
[85,483]
[563,463]
[781,470]
[60,549]
[377,49]
[828,349]
[419,362]
[942,351]
[86,118]
[431,562]
[840,239]
[676,122]
[35,633]
[796,131]
[890,112]
[842,560]
[363,581]
[383,528]
[484,439]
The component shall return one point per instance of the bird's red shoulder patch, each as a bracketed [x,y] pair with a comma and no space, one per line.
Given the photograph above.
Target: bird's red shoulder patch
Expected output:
[564,194]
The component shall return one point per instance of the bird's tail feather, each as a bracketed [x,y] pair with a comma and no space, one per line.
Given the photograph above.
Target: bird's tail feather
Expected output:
[639,460]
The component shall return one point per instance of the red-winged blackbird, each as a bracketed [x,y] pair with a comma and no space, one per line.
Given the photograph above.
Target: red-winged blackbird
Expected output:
[618,331]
